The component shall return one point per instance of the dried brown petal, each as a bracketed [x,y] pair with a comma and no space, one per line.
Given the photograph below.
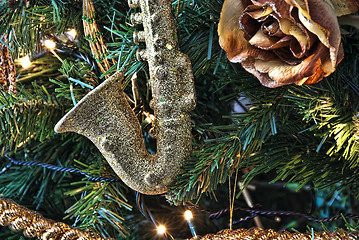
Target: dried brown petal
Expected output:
[275,73]
[319,18]
[231,37]
[292,29]
[260,40]
[258,12]
[345,7]
[351,20]
[279,6]
[271,27]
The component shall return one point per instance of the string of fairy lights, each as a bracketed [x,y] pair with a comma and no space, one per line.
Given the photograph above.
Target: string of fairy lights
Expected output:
[26,62]
[51,46]
[19,218]
[188,216]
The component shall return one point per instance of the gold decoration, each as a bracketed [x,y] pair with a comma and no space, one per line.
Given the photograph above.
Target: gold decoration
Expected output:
[94,37]
[105,117]
[7,70]
[32,224]
[284,41]
[356,127]
[256,233]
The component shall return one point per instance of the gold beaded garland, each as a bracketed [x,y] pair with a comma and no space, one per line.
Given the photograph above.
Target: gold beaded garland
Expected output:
[256,233]
[19,218]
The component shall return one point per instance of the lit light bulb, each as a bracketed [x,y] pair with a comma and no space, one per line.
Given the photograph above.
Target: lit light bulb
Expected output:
[150,118]
[188,215]
[50,44]
[72,33]
[161,229]
[25,61]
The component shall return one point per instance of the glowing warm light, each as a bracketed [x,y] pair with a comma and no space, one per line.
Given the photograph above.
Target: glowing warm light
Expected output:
[25,61]
[72,33]
[134,76]
[50,44]
[150,118]
[161,229]
[188,215]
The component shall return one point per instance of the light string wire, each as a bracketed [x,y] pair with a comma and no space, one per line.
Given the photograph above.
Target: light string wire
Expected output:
[147,213]
[56,168]
[144,210]
[256,212]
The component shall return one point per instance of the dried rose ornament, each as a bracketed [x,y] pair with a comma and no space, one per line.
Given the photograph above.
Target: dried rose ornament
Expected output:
[284,41]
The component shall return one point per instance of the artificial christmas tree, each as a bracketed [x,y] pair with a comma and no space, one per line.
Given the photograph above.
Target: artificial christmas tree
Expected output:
[302,139]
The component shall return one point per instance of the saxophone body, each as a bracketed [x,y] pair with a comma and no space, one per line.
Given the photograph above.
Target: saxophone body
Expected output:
[105,117]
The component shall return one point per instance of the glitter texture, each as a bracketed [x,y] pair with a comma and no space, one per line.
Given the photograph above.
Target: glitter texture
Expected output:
[256,233]
[105,117]
[32,224]
[7,70]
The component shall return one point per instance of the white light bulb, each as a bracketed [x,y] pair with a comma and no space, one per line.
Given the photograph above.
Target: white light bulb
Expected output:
[50,44]
[25,61]
[72,33]
[161,229]
[188,215]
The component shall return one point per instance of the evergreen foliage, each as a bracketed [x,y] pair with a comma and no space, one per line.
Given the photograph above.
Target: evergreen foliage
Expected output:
[294,134]
[27,116]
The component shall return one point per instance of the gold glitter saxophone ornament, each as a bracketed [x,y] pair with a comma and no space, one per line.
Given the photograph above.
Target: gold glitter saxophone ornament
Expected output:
[105,117]
[32,224]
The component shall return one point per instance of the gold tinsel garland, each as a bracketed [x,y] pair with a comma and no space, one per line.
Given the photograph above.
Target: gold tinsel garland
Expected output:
[19,218]
[94,37]
[260,234]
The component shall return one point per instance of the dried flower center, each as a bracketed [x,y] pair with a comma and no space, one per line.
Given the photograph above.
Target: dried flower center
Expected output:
[283,35]
[271,28]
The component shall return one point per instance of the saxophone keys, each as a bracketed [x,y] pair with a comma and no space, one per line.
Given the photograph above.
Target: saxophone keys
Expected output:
[136,18]
[139,36]
[134,3]
[141,55]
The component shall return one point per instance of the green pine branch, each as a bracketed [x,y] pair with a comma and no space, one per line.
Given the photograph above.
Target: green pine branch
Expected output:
[80,81]
[101,207]
[25,25]
[33,184]
[206,169]
[331,112]
[27,116]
